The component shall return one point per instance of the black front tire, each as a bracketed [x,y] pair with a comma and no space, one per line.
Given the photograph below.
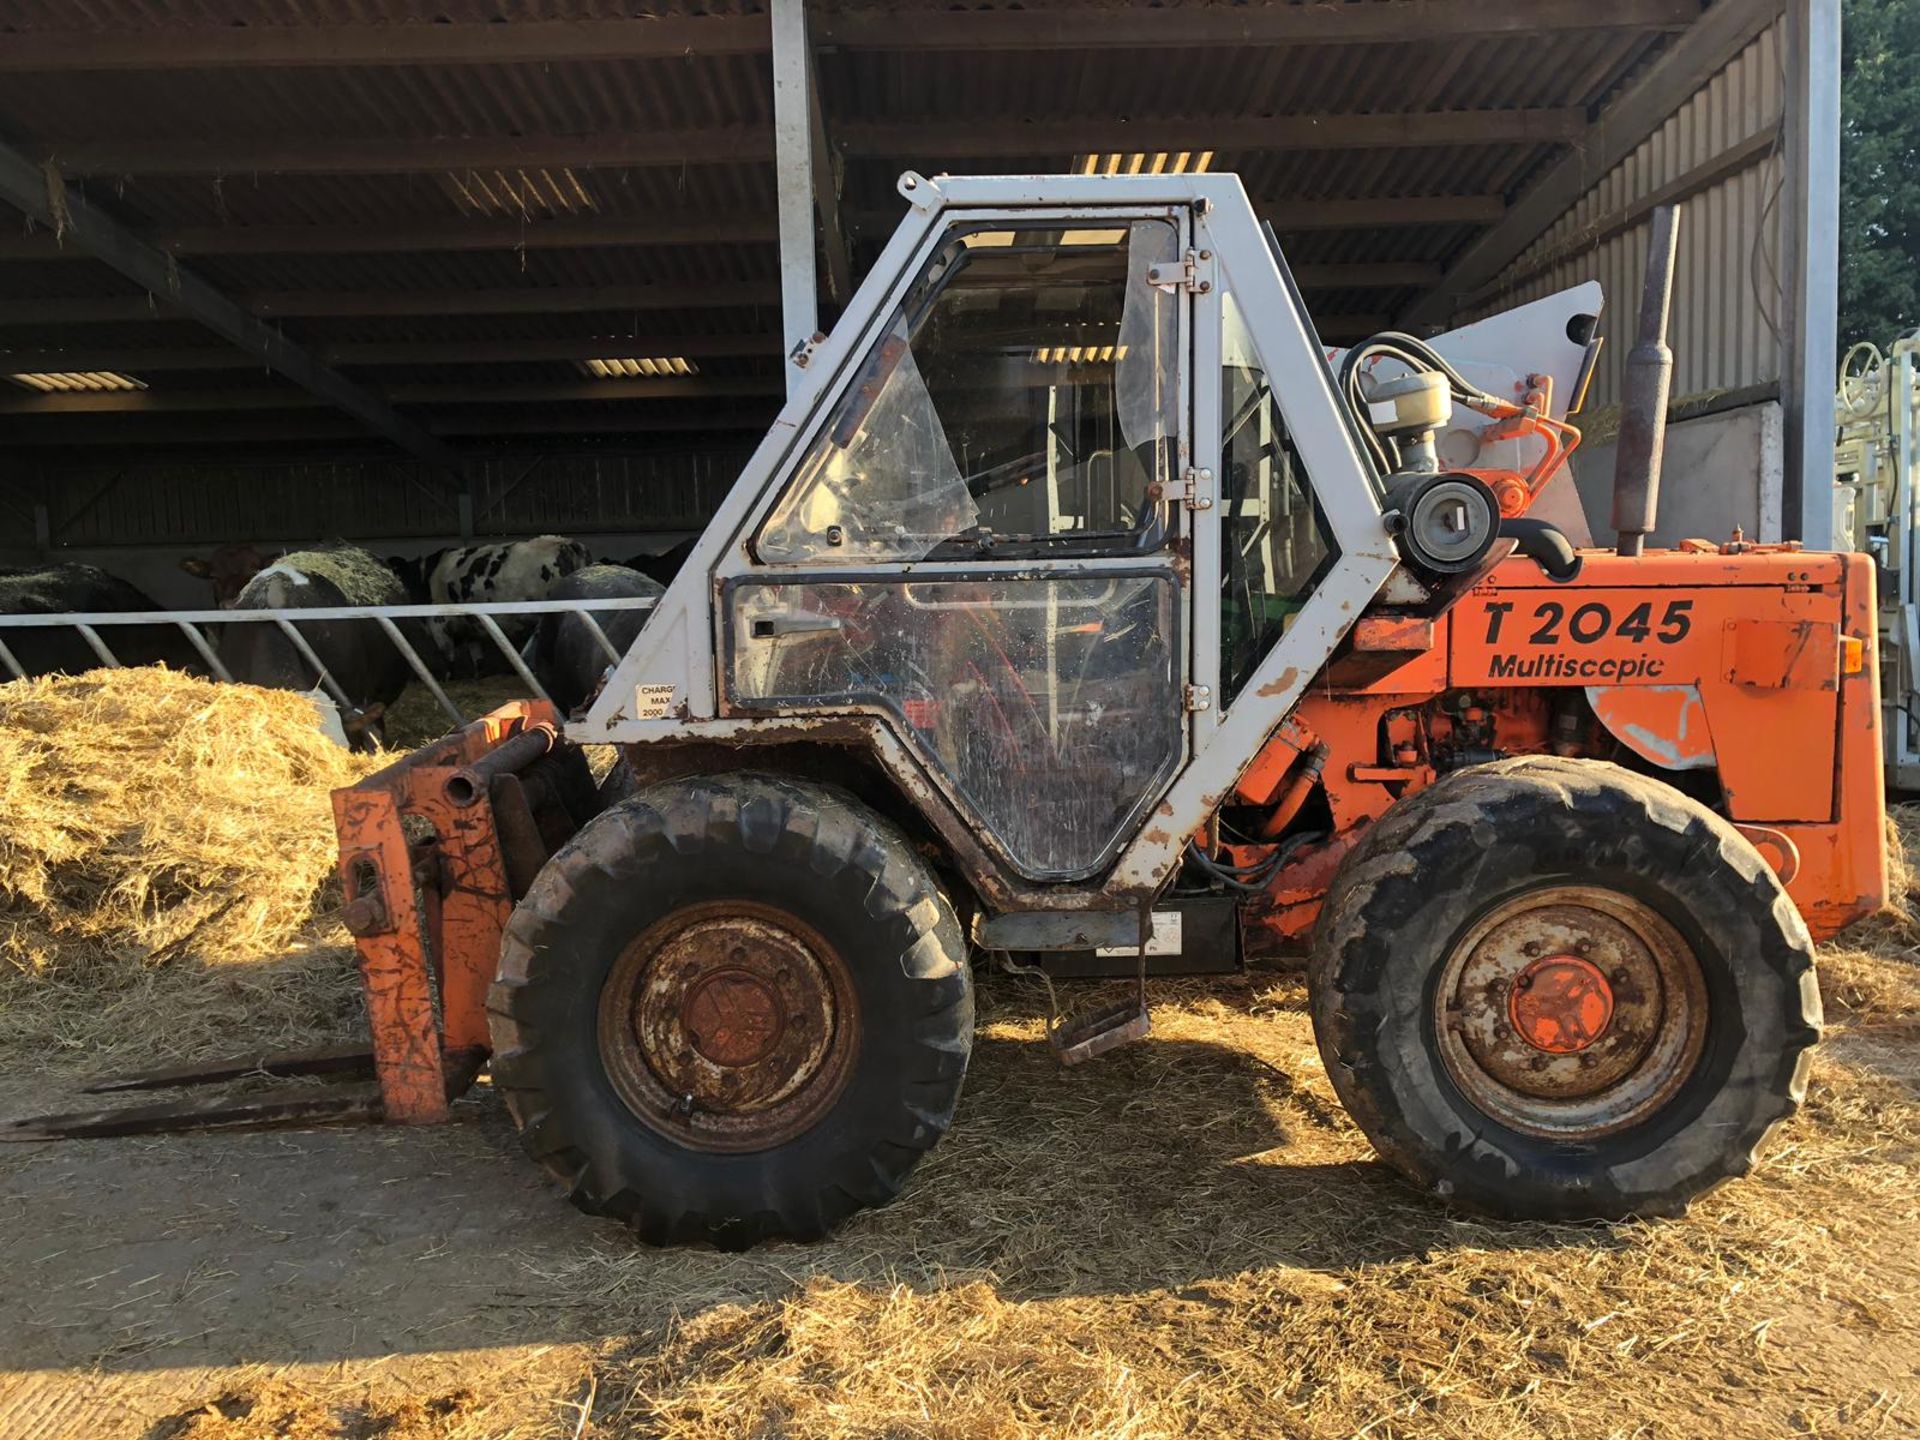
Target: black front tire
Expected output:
[769,846]
[1441,862]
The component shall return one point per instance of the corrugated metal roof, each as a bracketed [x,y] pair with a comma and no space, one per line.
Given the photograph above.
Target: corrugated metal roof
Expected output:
[1101,98]
[153,14]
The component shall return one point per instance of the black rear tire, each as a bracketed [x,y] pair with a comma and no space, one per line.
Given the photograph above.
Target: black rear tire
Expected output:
[851,1011]
[1426,1039]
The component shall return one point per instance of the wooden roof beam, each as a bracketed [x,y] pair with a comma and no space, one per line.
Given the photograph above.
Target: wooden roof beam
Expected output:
[364,304]
[139,434]
[140,361]
[551,299]
[416,237]
[460,236]
[918,141]
[39,191]
[263,397]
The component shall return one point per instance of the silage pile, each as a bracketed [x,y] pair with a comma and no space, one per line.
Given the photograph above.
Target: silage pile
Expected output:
[147,815]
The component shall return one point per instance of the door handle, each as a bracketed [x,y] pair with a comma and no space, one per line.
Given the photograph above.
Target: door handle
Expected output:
[792,622]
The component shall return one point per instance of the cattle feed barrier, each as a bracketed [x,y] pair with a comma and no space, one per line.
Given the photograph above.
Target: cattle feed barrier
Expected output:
[190,622]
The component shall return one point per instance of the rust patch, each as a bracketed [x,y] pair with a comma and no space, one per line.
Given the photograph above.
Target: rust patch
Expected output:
[1571,1012]
[729,1026]
[1181,549]
[1280,684]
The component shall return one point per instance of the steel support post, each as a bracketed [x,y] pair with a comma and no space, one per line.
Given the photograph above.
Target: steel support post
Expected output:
[793,165]
[1810,269]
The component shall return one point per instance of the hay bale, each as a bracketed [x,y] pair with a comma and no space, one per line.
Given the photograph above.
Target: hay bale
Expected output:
[150,814]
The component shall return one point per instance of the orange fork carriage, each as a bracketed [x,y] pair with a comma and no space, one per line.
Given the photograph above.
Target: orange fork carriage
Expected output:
[434,852]
[426,903]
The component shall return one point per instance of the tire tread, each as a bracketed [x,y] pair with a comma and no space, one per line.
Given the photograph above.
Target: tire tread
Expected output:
[767,816]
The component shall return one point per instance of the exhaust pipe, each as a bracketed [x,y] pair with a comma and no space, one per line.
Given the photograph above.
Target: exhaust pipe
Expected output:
[1643,409]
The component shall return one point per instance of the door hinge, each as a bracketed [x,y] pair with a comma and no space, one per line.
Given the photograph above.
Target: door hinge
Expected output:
[1199,697]
[1194,489]
[1193,271]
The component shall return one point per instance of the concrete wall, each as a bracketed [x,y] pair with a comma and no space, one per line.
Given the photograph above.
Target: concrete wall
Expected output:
[1721,470]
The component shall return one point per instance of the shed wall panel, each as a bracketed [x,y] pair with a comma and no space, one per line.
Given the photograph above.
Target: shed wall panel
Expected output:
[1725,331]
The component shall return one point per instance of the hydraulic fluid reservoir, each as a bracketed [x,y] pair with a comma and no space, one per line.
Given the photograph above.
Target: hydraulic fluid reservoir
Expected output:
[1409,410]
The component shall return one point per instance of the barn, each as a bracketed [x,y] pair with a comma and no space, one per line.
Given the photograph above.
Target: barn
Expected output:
[411,272]
[421,274]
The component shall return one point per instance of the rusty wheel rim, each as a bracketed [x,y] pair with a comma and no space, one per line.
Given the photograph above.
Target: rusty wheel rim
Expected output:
[1571,1012]
[729,1026]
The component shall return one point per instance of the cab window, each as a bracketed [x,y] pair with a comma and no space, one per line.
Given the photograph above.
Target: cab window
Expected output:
[1275,542]
[1024,395]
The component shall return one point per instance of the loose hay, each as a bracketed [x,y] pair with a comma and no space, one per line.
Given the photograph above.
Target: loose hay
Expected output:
[1196,1242]
[279,1410]
[151,815]
[1190,1238]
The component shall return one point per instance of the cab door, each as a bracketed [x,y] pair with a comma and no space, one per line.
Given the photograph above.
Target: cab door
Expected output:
[976,542]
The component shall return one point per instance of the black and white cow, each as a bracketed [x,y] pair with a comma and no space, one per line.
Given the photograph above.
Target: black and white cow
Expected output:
[71,589]
[563,654]
[506,571]
[369,670]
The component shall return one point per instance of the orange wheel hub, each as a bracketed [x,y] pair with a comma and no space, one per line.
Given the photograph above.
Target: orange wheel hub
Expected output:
[1570,1011]
[1560,1004]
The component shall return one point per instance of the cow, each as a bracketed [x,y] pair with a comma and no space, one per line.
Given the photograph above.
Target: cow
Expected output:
[663,566]
[227,569]
[72,589]
[364,663]
[563,654]
[505,571]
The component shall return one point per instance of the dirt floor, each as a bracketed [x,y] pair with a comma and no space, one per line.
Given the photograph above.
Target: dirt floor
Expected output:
[1187,1237]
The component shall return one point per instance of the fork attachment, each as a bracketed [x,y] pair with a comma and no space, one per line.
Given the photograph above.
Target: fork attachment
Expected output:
[426,903]
[434,852]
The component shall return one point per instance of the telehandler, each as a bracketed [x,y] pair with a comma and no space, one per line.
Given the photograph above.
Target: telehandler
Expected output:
[1080,614]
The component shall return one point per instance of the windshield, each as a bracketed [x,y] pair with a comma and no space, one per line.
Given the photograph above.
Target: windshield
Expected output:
[1024,392]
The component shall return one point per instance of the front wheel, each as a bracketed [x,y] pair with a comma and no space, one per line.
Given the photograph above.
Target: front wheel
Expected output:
[732,1008]
[1551,988]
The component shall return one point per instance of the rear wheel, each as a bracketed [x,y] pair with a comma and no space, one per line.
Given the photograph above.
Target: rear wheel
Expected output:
[1552,988]
[732,1008]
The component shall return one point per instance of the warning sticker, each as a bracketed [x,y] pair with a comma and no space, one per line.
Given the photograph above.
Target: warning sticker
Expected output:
[1165,939]
[653,702]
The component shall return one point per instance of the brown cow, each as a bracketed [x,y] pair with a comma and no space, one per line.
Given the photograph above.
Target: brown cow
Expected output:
[229,568]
